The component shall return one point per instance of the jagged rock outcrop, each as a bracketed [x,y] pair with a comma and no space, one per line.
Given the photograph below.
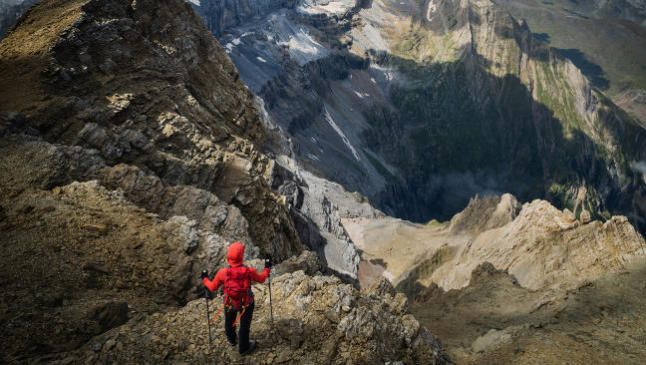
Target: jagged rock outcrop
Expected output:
[544,247]
[541,246]
[156,93]
[485,213]
[317,207]
[318,320]
[508,286]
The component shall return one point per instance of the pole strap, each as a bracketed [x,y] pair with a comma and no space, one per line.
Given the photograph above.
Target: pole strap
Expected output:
[218,314]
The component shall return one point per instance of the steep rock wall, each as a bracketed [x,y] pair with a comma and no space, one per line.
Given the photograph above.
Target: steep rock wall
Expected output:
[151,89]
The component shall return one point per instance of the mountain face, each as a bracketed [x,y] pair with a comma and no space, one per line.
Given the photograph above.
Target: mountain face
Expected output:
[130,162]
[133,154]
[116,88]
[421,106]
[225,163]
[502,282]
[602,38]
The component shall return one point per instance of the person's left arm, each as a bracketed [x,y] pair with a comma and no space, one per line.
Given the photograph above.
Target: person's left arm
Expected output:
[217,281]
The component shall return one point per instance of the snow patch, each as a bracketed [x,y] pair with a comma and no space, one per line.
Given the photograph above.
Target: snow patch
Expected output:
[231,45]
[387,72]
[639,166]
[338,7]
[261,59]
[338,130]
[432,8]
[388,275]
[303,48]
[196,2]
[361,95]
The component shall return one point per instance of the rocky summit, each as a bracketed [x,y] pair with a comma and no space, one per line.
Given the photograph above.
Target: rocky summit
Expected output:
[436,182]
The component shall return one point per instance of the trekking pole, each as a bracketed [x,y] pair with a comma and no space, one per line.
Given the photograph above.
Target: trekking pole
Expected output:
[208,319]
[271,307]
[208,316]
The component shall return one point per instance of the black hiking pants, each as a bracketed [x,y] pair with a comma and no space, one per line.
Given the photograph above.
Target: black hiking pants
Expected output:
[245,325]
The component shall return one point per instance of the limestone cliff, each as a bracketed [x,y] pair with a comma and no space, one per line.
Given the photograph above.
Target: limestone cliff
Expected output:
[420,106]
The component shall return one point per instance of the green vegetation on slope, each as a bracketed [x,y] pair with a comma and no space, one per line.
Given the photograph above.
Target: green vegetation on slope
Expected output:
[610,51]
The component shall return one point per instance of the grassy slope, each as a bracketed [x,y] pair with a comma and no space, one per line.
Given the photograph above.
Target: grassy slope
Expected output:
[617,46]
[446,130]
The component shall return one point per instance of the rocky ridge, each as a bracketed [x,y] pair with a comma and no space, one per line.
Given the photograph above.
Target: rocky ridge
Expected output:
[129,146]
[566,276]
[318,320]
[542,247]
[157,102]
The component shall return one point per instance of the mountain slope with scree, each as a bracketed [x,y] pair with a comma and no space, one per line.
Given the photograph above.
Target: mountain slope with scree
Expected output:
[503,282]
[419,106]
[129,150]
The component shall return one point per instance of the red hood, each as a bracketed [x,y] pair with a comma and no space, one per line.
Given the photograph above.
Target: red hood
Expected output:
[235,254]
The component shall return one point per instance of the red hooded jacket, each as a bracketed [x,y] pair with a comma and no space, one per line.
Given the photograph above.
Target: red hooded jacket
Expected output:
[234,258]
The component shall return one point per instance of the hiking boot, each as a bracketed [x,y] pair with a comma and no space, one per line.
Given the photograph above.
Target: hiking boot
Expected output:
[232,343]
[252,346]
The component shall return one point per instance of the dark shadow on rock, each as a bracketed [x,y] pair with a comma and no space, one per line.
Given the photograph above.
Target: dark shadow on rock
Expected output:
[454,137]
[590,69]
[442,135]
[544,37]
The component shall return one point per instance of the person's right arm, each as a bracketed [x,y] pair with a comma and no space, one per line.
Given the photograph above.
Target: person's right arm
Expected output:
[217,281]
[260,278]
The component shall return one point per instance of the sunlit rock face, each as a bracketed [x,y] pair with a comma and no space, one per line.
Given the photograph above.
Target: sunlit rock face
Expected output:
[421,106]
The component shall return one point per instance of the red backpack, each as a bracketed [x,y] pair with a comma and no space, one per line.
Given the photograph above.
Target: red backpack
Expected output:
[237,287]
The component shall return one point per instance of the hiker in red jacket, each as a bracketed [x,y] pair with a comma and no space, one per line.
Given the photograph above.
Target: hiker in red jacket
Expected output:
[238,296]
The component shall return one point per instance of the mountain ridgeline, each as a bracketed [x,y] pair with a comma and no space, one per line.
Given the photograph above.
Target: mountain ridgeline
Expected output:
[135,147]
[130,155]
[420,106]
